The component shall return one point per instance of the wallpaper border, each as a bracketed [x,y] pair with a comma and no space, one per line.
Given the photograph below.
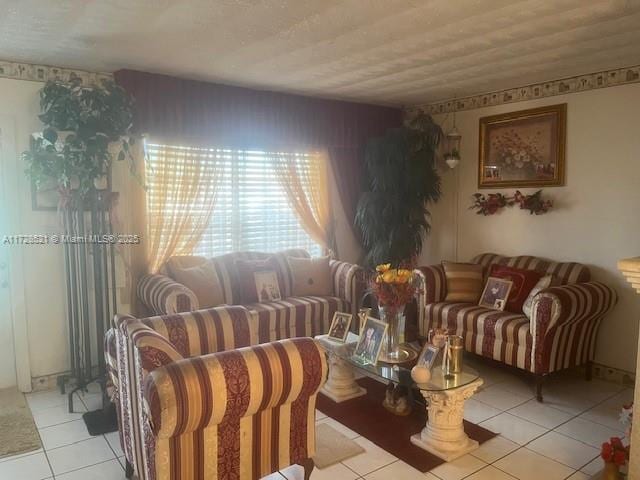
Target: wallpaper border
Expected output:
[43,73]
[579,83]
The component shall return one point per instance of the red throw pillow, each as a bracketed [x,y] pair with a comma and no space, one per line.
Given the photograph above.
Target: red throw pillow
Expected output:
[523,282]
[247,278]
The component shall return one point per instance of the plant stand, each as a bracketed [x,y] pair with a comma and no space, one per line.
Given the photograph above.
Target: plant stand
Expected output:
[89,256]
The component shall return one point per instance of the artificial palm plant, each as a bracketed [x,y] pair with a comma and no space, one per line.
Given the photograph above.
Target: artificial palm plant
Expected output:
[393,214]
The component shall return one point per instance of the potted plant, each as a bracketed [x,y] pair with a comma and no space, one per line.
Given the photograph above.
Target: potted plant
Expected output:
[402,178]
[80,124]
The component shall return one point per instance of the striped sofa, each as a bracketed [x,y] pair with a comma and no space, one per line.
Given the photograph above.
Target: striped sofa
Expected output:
[290,317]
[561,333]
[196,398]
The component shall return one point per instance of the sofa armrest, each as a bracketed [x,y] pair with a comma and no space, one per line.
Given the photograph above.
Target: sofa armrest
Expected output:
[578,307]
[111,363]
[163,296]
[434,284]
[348,283]
[198,392]
[432,289]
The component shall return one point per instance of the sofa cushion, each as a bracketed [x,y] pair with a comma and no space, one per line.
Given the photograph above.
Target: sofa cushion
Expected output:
[202,279]
[296,316]
[545,282]
[464,281]
[247,270]
[564,272]
[310,276]
[502,336]
[228,273]
[523,282]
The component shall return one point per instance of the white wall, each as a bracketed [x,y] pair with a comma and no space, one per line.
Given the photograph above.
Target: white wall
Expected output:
[596,216]
[42,265]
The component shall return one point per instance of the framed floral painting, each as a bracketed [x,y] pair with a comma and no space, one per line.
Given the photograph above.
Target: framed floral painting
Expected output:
[523,149]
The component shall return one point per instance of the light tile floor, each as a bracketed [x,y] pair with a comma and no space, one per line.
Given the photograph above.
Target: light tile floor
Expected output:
[559,439]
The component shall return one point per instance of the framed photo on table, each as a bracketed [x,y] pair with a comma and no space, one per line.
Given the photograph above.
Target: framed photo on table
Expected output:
[370,342]
[523,149]
[339,328]
[495,294]
[428,356]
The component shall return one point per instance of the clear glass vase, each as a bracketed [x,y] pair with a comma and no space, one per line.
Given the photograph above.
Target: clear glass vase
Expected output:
[394,318]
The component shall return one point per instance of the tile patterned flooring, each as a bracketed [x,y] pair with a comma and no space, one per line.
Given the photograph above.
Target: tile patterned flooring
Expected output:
[559,439]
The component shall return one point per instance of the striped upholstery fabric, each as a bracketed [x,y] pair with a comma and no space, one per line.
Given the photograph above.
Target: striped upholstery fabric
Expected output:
[190,334]
[433,289]
[240,414]
[565,324]
[502,336]
[565,272]
[228,273]
[563,328]
[296,317]
[161,295]
[348,283]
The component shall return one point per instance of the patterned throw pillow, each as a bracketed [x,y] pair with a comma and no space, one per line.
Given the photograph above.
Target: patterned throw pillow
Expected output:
[464,281]
[523,282]
[310,276]
[250,270]
[545,282]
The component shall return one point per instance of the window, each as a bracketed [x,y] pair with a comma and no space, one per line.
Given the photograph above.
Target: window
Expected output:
[251,210]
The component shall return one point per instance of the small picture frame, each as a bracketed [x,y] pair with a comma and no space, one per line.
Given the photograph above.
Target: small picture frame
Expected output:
[339,328]
[495,294]
[267,287]
[370,342]
[428,356]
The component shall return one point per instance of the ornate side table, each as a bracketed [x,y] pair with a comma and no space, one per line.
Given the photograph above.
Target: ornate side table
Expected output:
[444,434]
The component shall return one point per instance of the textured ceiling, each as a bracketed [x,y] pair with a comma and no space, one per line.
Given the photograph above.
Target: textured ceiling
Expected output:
[383,51]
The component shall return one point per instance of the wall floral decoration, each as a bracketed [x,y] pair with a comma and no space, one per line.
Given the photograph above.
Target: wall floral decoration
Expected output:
[493,203]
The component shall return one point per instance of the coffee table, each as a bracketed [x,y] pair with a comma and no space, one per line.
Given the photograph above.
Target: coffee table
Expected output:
[443,434]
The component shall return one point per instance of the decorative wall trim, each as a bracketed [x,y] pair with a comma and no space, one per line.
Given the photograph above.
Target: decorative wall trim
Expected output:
[580,83]
[43,73]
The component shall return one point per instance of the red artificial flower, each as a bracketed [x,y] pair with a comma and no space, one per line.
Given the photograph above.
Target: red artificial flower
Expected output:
[616,443]
[620,457]
[607,452]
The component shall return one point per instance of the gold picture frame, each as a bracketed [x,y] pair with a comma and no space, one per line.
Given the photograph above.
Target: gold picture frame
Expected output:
[370,342]
[523,149]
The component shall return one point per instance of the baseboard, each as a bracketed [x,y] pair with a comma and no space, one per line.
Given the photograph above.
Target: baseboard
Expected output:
[46,382]
[613,375]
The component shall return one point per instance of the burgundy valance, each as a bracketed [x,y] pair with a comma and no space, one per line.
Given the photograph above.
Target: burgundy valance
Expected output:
[200,113]
[188,110]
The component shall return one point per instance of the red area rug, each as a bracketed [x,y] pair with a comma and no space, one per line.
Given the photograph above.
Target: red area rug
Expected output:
[366,416]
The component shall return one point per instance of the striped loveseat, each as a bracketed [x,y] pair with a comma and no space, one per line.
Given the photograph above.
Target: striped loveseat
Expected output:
[197,399]
[290,317]
[563,327]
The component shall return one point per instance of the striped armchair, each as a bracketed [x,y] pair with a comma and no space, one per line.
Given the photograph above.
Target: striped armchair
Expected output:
[198,399]
[562,331]
[289,317]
